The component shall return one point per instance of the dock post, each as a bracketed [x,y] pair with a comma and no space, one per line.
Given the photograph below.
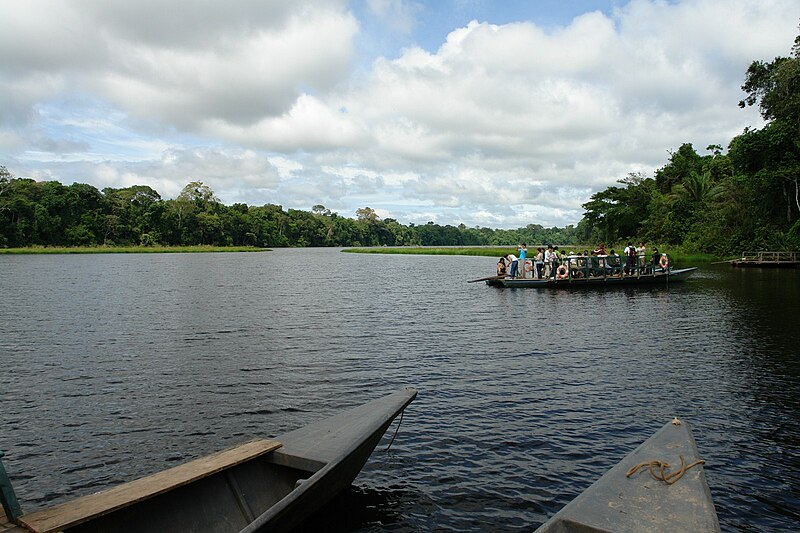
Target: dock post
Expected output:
[7,497]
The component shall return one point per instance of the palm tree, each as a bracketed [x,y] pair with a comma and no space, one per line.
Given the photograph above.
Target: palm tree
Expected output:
[698,188]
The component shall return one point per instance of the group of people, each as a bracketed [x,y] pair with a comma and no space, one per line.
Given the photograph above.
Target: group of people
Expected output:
[543,262]
[548,261]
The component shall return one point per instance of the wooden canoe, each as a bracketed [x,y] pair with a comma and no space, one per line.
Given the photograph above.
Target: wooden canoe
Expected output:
[269,485]
[639,503]
[659,278]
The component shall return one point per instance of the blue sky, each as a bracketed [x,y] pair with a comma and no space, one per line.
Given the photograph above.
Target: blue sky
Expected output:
[496,114]
[432,21]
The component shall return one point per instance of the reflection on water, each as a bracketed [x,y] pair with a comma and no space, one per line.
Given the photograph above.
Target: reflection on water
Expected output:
[118,366]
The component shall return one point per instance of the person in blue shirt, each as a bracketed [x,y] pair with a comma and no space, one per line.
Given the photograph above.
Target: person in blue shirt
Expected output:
[523,253]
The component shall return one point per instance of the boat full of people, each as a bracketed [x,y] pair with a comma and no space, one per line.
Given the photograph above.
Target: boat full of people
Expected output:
[551,268]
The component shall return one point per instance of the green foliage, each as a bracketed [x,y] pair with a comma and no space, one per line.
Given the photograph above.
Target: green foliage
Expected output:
[51,214]
[617,213]
[682,163]
[49,250]
[720,204]
[699,189]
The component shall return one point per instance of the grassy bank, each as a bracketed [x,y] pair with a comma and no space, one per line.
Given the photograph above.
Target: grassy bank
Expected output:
[128,249]
[425,250]
[676,253]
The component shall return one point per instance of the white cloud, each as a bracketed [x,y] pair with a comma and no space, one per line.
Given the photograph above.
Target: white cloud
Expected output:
[400,15]
[309,125]
[499,108]
[179,63]
[502,125]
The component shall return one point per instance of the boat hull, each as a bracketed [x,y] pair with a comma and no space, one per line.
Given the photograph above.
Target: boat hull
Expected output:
[673,276]
[331,445]
[619,503]
[274,491]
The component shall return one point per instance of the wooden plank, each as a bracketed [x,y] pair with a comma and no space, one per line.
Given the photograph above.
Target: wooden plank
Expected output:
[4,522]
[82,509]
[6,526]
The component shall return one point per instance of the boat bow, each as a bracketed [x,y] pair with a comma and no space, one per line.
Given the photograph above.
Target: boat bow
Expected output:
[335,450]
[638,503]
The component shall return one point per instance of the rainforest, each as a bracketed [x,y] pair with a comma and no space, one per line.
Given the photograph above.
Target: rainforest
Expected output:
[719,200]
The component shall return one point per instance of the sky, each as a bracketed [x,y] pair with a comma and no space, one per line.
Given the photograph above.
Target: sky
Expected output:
[488,113]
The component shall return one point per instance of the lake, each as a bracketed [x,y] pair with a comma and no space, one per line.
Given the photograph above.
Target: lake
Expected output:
[117,366]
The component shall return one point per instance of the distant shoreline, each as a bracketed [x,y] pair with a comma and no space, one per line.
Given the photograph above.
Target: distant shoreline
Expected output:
[36,250]
[497,251]
[484,251]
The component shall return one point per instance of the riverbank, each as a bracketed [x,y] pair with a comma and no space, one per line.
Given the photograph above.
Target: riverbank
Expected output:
[676,254]
[129,249]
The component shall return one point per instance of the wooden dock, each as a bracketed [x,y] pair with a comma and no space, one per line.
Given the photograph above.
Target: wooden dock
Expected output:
[768,260]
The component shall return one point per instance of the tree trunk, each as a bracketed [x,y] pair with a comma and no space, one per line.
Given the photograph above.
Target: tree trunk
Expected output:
[788,204]
[797,195]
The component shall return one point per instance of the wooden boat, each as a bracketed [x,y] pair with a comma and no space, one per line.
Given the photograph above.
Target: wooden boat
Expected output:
[657,278]
[620,502]
[270,485]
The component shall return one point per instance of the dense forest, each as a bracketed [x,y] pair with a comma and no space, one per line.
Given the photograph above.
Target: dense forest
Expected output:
[747,198]
[51,214]
[722,203]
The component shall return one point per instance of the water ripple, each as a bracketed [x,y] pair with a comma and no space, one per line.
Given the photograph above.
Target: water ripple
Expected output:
[119,366]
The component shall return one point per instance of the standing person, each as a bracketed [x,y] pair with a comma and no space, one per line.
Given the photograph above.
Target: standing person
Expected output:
[539,262]
[630,262]
[556,260]
[640,253]
[501,266]
[523,253]
[548,261]
[512,259]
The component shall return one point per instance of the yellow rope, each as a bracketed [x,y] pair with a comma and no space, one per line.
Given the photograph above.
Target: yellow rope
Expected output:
[661,474]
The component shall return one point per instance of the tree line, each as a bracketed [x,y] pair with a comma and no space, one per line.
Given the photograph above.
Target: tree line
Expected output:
[747,198]
[721,203]
[52,214]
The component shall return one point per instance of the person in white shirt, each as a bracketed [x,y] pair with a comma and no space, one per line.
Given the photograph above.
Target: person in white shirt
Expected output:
[512,259]
[548,261]
[640,253]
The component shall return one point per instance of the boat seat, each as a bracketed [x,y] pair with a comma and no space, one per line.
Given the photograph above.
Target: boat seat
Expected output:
[80,510]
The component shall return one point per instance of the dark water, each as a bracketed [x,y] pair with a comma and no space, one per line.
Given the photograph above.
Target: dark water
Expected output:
[116,366]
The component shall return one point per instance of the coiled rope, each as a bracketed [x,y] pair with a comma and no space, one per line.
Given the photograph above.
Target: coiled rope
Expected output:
[658,469]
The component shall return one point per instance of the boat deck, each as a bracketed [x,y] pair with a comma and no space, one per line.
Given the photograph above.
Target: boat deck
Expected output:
[6,526]
[60,517]
[596,281]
